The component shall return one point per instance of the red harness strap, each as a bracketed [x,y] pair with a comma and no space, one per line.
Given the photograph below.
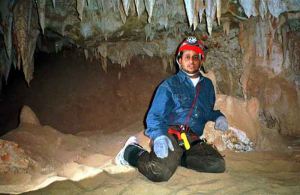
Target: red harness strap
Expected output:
[187,119]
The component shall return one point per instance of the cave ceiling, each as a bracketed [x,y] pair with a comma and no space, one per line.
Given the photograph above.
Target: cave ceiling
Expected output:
[117,30]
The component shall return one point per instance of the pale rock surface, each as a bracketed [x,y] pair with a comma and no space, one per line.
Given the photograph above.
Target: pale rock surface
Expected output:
[13,158]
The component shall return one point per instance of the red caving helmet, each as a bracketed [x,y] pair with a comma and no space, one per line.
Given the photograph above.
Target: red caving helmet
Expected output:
[191,43]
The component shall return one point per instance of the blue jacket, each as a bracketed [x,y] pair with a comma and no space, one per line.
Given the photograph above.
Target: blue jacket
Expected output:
[172,103]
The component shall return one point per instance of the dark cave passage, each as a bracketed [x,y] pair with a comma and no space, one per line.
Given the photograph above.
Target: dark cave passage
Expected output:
[73,94]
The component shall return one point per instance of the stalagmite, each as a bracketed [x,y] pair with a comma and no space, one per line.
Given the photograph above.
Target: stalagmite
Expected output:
[126,5]
[262,9]
[149,7]
[80,7]
[249,7]
[210,14]
[41,4]
[218,2]
[189,8]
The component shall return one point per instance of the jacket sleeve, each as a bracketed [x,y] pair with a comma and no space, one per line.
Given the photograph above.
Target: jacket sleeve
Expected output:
[158,114]
[213,114]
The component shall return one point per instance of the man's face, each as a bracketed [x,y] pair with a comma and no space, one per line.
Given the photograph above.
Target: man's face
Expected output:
[190,61]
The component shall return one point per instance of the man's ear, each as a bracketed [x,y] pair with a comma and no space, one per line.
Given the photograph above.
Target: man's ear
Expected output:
[180,60]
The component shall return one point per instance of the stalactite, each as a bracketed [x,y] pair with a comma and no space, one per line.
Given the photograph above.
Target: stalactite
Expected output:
[226,27]
[210,14]
[41,4]
[8,35]
[163,11]
[201,10]
[6,20]
[249,7]
[5,66]
[26,37]
[102,49]
[273,24]
[149,32]
[86,54]
[197,7]
[28,64]
[260,39]
[165,63]
[189,8]
[219,5]
[53,3]
[284,31]
[140,7]
[148,52]
[29,16]
[100,4]
[80,7]
[20,28]
[119,75]
[122,13]
[276,7]
[19,59]
[149,7]
[114,4]
[86,30]
[262,9]
[126,5]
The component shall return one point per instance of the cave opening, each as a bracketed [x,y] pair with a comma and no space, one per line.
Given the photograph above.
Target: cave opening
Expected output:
[75,94]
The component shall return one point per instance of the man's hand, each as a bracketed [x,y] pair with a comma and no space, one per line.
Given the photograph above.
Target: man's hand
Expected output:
[161,145]
[221,123]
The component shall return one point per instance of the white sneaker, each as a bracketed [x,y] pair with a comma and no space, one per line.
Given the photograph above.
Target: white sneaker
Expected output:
[119,160]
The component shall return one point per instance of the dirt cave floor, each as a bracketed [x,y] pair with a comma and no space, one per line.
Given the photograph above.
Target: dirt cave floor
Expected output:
[75,96]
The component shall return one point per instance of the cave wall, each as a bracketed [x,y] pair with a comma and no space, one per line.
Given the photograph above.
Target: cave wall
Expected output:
[253,46]
[271,69]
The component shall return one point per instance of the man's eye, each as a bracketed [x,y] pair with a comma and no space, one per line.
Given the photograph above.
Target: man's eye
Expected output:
[195,57]
[187,57]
